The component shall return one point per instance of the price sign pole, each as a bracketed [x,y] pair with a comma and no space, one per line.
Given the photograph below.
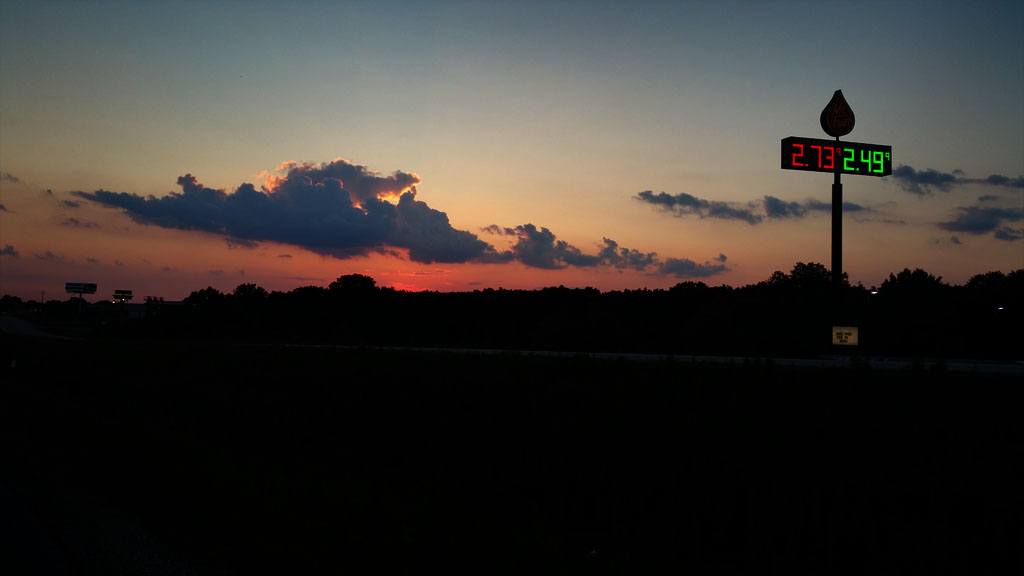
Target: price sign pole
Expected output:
[838,157]
[837,119]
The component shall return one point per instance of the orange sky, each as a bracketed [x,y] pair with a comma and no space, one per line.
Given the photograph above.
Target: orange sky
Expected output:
[549,114]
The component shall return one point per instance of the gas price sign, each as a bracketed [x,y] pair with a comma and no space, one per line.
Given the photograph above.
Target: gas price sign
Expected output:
[815,155]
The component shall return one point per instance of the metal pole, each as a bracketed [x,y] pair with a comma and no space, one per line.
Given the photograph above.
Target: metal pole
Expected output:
[837,232]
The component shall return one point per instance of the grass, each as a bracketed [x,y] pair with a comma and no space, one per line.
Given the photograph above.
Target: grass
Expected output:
[241,459]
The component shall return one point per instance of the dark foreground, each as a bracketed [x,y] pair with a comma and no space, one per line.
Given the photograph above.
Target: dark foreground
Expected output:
[218,459]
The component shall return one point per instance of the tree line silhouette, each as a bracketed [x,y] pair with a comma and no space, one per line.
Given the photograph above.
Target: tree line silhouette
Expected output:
[911,313]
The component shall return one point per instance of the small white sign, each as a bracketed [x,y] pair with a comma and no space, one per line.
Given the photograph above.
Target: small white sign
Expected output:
[844,335]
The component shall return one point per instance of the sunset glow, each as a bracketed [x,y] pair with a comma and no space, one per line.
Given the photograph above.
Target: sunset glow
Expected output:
[497,145]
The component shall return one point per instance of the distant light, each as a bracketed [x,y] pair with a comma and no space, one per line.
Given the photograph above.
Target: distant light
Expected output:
[999,307]
[874,292]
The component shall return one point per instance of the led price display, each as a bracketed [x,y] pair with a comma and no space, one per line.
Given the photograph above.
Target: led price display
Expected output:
[815,155]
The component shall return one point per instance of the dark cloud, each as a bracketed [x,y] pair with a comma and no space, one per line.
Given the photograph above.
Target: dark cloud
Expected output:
[3,208]
[686,268]
[773,208]
[922,182]
[776,208]
[8,177]
[76,223]
[499,230]
[72,204]
[819,206]
[233,243]
[8,250]
[540,248]
[49,257]
[983,220]
[686,204]
[284,255]
[429,236]
[622,258]
[1008,234]
[341,209]
[312,207]
[1000,180]
[92,260]
[361,184]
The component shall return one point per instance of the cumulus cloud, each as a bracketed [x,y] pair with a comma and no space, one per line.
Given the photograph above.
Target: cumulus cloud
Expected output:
[540,248]
[342,210]
[686,204]
[686,268]
[984,220]
[336,209]
[923,182]
[361,183]
[621,258]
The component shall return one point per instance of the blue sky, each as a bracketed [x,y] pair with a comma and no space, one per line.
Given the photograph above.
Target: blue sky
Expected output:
[557,115]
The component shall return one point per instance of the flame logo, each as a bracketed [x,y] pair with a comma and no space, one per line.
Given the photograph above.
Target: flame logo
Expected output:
[837,117]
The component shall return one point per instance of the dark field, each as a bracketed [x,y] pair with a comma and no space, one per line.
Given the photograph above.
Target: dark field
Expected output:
[178,458]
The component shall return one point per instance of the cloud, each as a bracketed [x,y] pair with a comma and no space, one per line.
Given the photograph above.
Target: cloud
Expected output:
[361,183]
[8,177]
[773,208]
[72,204]
[343,210]
[234,243]
[76,223]
[540,248]
[686,204]
[686,268]
[311,206]
[3,208]
[284,255]
[49,257]
[622,258]
[983,220]
[9,250]
[922,182]
[776,208]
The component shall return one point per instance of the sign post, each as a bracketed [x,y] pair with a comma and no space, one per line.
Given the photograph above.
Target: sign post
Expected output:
[838,157]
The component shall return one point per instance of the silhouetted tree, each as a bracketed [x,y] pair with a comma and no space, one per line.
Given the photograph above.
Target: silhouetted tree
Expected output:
[249,292]
[208,296]
[916,284]
[353,284]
